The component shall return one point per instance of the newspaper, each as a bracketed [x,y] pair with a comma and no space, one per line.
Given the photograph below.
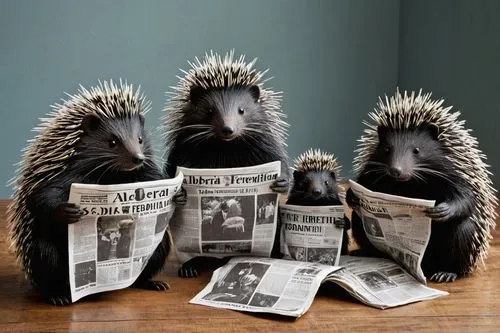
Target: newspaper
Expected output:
[278,286]
[121,227]
[228,212]
[380,283]
[396,226]
[309,233]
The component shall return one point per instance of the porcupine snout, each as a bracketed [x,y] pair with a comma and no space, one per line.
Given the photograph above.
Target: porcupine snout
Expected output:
[137,159]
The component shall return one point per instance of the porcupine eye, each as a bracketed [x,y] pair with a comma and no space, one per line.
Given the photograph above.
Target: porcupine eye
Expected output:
[326,182]
[416,150]
[140,140]
[113,142]
[387,150]
[241,110]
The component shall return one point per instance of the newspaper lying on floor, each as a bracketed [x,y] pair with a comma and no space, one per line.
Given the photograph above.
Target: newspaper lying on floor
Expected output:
[228,212]
[396,226]
[380,283]
[288,287]
[121,227]
[268,285]
[309,233]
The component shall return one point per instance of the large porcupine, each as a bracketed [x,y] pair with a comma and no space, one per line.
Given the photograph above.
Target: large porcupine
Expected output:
[315,183]
[417,148]
[97,136]
[221,116]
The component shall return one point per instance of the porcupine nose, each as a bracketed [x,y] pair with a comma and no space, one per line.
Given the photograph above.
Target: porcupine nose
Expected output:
[316,191]
[396,171]
[138,159]
[226,130]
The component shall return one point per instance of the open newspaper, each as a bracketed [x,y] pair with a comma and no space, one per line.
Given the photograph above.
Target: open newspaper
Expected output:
[380,283]
[121,227]
[228,212]
[288,287]
[278,286]
[309,233]
[396,226]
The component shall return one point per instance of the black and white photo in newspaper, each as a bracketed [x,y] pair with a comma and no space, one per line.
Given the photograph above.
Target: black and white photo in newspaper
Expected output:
[396,226]
[120,228]
[268,285]
[309,233]
[228,212]
[380,283]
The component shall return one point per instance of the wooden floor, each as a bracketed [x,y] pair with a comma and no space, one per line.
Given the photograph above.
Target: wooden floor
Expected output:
[472,306]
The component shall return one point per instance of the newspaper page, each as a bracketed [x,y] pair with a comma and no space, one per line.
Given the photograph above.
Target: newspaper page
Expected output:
[121,227]
[380,283]
[309,233]
[268,285]
[228,212]
[396,226]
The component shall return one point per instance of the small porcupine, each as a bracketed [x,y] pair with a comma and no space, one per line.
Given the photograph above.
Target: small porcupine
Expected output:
[315,183]
[97,136]
[221,116]
[418,148]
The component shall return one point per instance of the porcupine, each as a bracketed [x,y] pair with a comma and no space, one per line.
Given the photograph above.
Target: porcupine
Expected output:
[418,148]
[97,136]
[315,183]
[221,116]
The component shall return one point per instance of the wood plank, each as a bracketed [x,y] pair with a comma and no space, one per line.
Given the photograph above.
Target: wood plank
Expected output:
[472,306]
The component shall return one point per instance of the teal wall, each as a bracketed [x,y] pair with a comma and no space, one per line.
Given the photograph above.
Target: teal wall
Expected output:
[330,58]
[452,48]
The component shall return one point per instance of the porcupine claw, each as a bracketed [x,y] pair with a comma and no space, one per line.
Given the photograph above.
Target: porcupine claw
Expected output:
[151,285]
[60,300]
[188,271]
[441,277]
[439,213]
[280,185]
[343,223]
[180,198]
[68,213]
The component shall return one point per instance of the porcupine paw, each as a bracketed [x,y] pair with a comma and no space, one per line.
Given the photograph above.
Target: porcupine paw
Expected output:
[280,185]
[180,198]
[187,271]
[440,212]
[68,212]
[343,223]
[351,198]
[59,300]
[151,285]
[441,277]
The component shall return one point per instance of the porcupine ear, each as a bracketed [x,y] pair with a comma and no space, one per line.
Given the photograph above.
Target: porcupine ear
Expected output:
[333,175]
[382,131]
[141,119]
[433,130]
[298,175]
[255,92]
[90,122]
[196,93]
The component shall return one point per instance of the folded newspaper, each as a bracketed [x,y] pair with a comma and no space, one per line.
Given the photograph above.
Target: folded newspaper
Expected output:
[396,226]
[121,227]
[278,286]
[228,212]
[288,287]
[309,233]
[380,283]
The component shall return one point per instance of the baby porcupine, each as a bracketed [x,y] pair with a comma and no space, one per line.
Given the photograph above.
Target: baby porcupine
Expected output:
[315,183]
[97,136]
[221,116]
[417,148]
